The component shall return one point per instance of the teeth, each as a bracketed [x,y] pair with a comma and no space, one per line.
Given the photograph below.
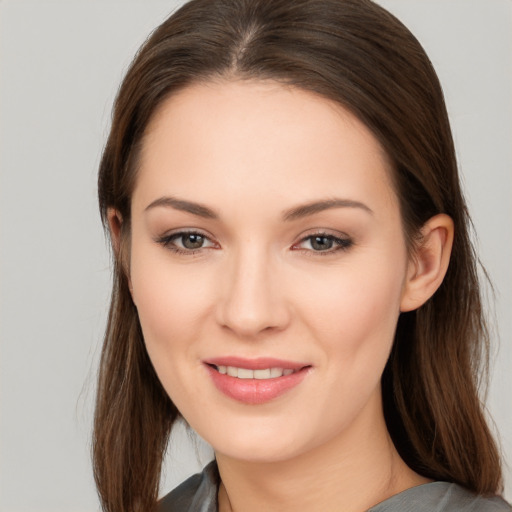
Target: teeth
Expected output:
[262,374]
[245,373]
[276,372]
[232,371]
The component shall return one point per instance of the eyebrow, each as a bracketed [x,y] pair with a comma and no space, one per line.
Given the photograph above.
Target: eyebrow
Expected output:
[295,213]
[184,206]
[319,206]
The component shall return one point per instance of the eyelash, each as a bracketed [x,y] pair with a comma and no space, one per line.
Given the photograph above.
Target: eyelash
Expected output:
[340,244]
[168,242]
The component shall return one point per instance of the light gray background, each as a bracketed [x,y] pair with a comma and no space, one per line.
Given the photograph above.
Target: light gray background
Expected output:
[60,65]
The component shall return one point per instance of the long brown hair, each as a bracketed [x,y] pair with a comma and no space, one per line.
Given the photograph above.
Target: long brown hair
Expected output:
[357,54]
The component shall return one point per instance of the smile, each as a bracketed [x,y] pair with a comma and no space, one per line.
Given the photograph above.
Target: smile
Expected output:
[255,382]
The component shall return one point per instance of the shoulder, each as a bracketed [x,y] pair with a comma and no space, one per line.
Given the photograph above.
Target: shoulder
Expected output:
[196,494]
[441,497]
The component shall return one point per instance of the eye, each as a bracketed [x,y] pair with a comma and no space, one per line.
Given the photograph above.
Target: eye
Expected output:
[186,242]
[190,240]
[323,243]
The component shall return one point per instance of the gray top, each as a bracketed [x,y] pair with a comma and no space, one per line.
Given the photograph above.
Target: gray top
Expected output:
[199,494]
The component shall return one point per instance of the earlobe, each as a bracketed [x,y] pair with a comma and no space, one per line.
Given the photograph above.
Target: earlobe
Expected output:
[428,266]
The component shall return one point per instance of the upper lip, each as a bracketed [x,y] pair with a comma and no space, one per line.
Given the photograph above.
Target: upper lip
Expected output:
[259,363]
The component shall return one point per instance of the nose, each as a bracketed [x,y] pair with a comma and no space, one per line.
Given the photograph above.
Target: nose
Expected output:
[253,300]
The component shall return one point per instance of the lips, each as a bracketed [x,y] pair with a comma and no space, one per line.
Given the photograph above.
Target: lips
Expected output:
[255,381]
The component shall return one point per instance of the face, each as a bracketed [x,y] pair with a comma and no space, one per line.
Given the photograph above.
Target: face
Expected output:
[267,266]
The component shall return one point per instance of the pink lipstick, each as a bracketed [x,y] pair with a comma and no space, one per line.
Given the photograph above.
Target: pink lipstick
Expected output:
[255,381]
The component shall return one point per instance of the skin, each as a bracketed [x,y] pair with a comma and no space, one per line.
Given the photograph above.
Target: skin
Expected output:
[250,152]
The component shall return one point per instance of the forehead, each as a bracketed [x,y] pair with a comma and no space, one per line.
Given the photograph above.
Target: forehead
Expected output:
[247,138]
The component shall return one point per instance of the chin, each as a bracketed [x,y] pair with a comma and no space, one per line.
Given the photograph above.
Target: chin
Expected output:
[259,452]
[261,441]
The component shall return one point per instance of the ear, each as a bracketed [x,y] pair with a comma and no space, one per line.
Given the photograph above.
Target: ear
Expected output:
[429,263]
[115,222]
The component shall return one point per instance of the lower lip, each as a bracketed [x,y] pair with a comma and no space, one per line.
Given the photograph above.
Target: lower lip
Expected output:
[255,391]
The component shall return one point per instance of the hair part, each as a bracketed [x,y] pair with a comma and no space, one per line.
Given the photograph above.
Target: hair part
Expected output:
[357,54]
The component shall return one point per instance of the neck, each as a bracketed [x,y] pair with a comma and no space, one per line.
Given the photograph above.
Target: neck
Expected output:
[351,472]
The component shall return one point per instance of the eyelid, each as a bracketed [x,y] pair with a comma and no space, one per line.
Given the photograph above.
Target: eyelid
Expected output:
[341,240]
[166,240]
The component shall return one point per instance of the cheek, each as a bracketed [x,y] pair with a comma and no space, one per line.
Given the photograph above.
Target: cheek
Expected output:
[354,319]
[354,316]
[171,305]
[355,301]
[171,302]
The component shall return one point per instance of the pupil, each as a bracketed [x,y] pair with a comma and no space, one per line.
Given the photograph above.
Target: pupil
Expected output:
[321,243]
[192,241]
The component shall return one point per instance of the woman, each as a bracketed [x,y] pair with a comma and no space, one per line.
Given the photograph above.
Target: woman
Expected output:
[293,270]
